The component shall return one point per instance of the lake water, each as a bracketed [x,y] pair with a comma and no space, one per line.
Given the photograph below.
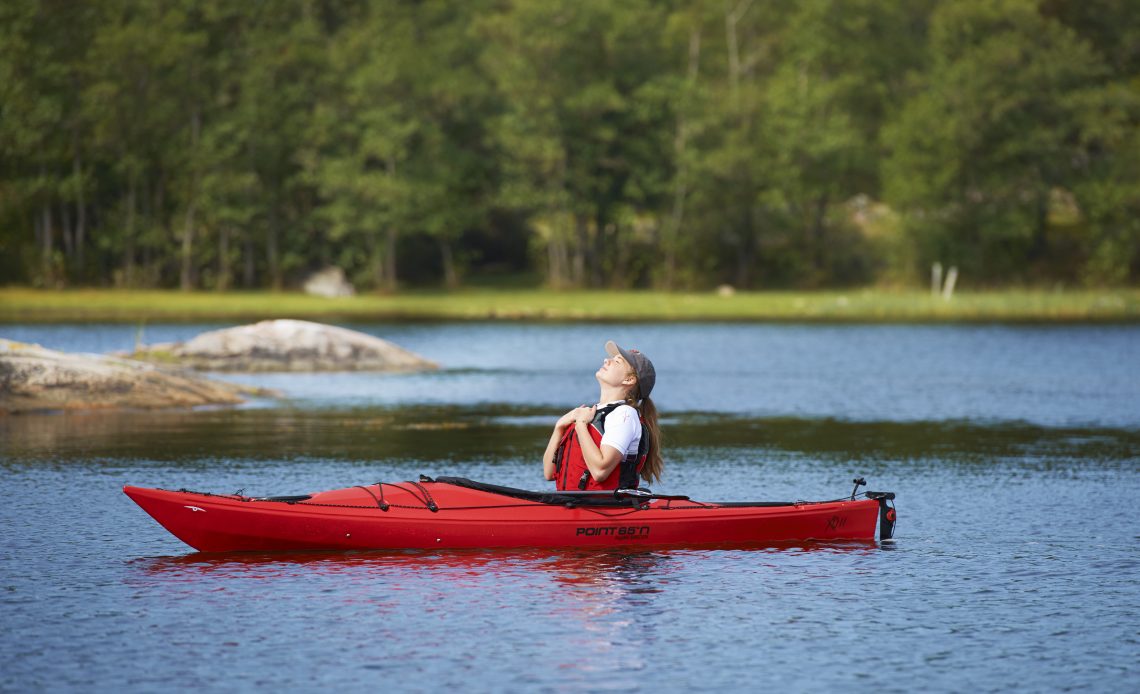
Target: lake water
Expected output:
[1015,452]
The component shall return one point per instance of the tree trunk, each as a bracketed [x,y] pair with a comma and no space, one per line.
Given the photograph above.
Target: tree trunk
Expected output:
[619,274]
[1040,246]
[65,231]
[248,276]
[556,270]
[681,189]
[559,272]
[148,217]
[390,278]
[672,233]
[732,17]
[598,253]
[746,252]
[553,268]
[390,236]
[744,260]
[48,248]
[223,282]
[450,276]
[376,260]
[80,207]
[186,278]
[154,256]
[271,255]
[129,249]
[581,249]
[38,228]
[819,231]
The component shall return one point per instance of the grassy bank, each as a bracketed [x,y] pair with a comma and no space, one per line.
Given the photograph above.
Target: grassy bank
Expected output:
[30,305]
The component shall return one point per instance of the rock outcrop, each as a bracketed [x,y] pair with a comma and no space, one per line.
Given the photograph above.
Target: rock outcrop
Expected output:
[286,345]
[329,283]
[34,378]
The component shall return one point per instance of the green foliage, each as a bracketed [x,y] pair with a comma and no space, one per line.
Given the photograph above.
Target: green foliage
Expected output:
[1006,116]
[210,144]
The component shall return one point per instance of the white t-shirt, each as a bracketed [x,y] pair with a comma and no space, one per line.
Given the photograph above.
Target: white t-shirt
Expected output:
[623,429]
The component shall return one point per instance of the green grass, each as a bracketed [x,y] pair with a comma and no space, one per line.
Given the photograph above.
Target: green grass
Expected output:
[861,305]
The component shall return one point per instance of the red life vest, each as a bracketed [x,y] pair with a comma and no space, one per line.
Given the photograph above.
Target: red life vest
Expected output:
[571,472]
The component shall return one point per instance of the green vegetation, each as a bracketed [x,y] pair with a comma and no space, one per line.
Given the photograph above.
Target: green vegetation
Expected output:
[208,144]
[24,305]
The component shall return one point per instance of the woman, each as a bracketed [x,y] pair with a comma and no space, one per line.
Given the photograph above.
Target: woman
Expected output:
[611,444]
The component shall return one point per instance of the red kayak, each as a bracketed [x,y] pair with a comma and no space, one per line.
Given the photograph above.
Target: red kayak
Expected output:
[452,512]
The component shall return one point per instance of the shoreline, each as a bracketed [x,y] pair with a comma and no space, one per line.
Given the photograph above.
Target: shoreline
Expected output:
[1018,306]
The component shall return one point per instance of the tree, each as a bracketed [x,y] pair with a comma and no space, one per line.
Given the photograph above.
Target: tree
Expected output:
[45,179]
[212,144]
[995,127]
[281,80]
[361,140]
[588,122]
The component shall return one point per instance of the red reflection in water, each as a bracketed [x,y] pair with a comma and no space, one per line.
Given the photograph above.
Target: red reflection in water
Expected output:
[590,602]
[572,569]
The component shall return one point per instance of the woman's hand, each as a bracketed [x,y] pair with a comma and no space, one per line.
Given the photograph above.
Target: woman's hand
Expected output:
[584,414]
[566,420]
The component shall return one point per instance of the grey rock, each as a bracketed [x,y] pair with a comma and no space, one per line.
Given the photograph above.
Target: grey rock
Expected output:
[329,282]
[34,378]
[286,345]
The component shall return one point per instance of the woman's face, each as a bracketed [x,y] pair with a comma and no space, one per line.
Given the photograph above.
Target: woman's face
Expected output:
[615,371]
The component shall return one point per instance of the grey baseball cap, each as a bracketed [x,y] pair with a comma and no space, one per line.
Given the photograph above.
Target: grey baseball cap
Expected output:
[646,374]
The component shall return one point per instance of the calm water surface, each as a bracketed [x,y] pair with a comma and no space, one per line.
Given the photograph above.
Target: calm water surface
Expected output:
[1015,453]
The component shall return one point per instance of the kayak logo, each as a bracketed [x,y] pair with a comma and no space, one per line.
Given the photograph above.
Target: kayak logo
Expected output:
[615,531]
[195,508]
[836,522]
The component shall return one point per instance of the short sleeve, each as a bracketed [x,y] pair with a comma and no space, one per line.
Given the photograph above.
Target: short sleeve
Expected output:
[623,430]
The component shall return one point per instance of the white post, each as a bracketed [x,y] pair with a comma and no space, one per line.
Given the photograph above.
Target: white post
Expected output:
[951,280]
[935,279]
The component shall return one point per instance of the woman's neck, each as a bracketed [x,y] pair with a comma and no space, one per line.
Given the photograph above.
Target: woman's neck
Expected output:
[611,394]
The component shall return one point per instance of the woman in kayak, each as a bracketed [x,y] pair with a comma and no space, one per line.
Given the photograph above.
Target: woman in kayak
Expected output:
[614,443]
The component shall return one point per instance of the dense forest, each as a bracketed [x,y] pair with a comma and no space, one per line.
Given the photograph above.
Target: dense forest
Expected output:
[210,144]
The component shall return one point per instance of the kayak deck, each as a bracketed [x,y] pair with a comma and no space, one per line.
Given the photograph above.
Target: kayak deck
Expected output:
[458,513]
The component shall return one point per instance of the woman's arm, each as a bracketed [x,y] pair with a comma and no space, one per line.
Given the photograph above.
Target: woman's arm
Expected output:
[564,421]
[551,448]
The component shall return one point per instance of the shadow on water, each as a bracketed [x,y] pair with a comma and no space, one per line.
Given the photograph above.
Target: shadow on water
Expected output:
[493,433]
